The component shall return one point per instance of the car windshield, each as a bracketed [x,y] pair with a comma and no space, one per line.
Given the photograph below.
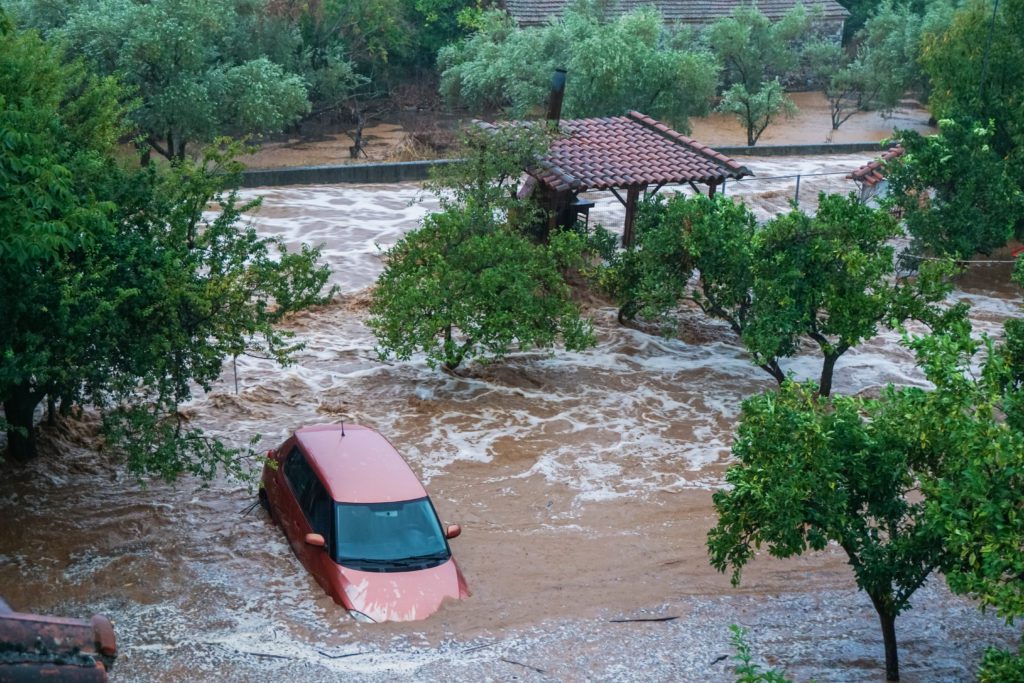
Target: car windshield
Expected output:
[389,536]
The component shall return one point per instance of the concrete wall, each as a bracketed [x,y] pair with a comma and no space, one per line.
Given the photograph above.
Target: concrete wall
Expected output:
[396,172]
[418,170]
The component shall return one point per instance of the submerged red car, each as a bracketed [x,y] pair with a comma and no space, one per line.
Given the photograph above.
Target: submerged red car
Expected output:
[362,523]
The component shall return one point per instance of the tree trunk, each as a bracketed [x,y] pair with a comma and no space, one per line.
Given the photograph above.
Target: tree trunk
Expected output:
[888,621]
[19,409]
[827,368]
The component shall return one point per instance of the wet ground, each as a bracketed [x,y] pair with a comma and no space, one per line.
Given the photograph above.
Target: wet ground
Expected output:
[403,138]
[582,481]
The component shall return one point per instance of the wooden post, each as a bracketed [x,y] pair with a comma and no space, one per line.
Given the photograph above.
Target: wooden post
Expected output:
[711,189]
[632,196]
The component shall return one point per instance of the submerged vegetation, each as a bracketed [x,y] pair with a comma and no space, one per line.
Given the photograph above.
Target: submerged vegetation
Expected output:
[117,290]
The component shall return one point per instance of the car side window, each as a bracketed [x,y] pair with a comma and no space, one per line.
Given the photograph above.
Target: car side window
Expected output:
[298,474]
[317,506]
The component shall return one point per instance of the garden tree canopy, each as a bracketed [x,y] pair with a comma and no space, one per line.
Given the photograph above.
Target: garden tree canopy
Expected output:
[470,282]
[828,277]
[974,419]
[632,62]
[57,130]
[200,68]
[976,69]
[884,67]
[957,194]
[756,54]
[1012,352]
[115,290]
[814,470]
[758,109]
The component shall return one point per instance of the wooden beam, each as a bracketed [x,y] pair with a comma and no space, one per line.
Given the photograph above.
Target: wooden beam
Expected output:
[632,196]
[618,196]
[654,191]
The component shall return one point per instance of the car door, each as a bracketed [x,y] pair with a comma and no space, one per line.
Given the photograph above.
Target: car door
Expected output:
[318,508]
[298,476]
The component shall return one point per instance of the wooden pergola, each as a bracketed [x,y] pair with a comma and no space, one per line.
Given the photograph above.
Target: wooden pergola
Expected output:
[623,154]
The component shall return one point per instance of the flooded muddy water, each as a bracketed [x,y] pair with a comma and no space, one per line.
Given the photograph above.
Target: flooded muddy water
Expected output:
[582,482]
[812,125]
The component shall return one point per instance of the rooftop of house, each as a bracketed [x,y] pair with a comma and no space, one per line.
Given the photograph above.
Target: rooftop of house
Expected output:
[625,151]
[536,12]
[873,172]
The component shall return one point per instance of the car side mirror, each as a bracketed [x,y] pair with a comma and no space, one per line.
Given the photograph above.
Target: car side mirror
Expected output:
[316,540]
[453,531]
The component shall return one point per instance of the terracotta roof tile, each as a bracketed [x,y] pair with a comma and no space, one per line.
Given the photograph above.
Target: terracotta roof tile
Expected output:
[873,172]
[598,154]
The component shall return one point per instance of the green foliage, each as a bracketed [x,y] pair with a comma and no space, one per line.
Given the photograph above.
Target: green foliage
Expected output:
[58,127]
[200,69]
[462,286]
[650,277]
[440,23]
[490,169]
[813,470]
[121,289]
[633,62]
[957,194]
[471,281]
[976,68]
[756,55]
[746,670]
[1001,666]
[828,277]
[1012,356]
[884,67]
[757,109]
[754,49]
[975,498]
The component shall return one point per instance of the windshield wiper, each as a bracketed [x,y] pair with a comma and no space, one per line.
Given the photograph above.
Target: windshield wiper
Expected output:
[364,560]
[420,558]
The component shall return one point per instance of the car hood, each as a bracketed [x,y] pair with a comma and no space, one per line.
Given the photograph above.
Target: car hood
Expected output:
[402,596]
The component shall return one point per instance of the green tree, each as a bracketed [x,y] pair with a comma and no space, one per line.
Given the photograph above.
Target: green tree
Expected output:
[813,470]
[757,54]
[470,281]
[116,289]
[972,420]
[957,194]
[975,63]
[756,110]
[828,278]
[632,62]
[884,68]
[202,288]
[976,68]
[57,125]
[200,68]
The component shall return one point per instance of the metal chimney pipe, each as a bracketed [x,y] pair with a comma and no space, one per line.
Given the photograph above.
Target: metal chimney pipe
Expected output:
[557,93]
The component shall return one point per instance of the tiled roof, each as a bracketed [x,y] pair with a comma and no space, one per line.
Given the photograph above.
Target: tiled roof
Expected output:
[598,154]
[534,12]
[873,172]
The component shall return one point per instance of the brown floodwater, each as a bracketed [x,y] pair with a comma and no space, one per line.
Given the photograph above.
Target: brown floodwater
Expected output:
[583,483]
[812,125]
[392,140]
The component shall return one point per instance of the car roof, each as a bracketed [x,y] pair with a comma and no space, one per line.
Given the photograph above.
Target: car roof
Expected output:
[358,465]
